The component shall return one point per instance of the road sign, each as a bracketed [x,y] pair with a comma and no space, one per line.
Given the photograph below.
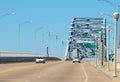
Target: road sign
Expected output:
[89,45]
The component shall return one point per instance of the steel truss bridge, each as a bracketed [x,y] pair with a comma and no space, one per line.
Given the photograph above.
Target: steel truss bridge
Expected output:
[85,35]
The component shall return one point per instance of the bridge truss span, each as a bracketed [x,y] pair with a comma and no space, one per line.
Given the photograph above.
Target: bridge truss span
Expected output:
[84,36]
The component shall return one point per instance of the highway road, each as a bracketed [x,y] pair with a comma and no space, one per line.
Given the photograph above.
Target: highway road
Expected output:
[59,71]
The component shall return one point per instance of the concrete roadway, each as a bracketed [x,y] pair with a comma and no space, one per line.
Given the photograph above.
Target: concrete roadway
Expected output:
[60,71]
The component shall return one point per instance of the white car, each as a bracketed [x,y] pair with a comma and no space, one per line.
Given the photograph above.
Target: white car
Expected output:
[40,60]
[76,60]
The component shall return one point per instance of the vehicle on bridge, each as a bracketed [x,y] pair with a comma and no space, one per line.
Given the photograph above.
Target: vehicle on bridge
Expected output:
[40,60]
[76,59]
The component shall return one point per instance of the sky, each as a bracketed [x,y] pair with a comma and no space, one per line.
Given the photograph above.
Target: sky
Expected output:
[51,19]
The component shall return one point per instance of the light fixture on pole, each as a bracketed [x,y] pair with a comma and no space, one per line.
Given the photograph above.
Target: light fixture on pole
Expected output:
[6,14]
[116,17]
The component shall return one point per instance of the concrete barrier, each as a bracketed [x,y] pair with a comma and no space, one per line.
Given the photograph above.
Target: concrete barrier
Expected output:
[24,59]
[11,57]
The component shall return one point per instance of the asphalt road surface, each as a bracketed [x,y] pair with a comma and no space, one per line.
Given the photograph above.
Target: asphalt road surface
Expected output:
[60,71]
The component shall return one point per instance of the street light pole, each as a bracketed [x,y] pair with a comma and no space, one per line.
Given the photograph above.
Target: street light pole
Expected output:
[116,17]
[20,25]
[56,42]
[19,37]
[100,48]
[95,56]
[95,46]
[35,33]
[108,47]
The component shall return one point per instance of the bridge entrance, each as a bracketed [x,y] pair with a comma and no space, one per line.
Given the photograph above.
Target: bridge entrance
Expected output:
[86,37]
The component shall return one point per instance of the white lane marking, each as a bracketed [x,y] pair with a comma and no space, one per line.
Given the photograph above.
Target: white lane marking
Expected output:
[86,80]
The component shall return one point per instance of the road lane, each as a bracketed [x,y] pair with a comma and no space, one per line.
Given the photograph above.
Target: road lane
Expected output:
[20,66]
[60,71]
